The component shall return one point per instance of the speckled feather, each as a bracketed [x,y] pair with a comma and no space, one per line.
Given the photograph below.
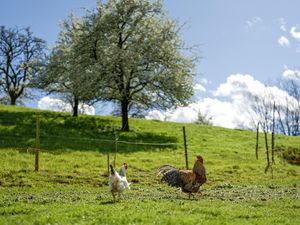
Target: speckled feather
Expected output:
[188,180]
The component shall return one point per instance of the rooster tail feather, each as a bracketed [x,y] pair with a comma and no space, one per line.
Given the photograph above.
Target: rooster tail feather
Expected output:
[164,169]
[172,178]
[112,170]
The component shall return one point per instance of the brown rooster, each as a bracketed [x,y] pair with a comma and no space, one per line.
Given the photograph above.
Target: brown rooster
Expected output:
[188,180]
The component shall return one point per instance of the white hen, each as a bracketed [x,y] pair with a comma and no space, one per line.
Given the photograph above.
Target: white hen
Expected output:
[118,181]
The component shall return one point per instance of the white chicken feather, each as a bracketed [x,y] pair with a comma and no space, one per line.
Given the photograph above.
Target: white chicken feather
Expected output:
[118,181]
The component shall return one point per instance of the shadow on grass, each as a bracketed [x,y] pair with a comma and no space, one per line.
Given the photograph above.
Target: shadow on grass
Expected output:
[64,132]
[108,203]
[290,154]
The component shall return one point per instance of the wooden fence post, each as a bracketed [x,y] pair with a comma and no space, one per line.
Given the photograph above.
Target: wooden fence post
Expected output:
[257,139]
[185,149]
[37,143]
[116,146]
[267,152]
[108,163]
[273,134]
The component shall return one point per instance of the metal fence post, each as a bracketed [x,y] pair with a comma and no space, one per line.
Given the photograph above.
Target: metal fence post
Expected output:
[185,149]
[37,143]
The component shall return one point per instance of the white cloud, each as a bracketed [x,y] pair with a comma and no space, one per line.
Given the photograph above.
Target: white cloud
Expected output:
[243,88]
[239,84]
[86,109]
[283,41]
[156,115]
[186,114]
[199,87]
[47,103]
[291,75]
[222,113]
[53,104]
[295,34]
[253,22]
[234,112]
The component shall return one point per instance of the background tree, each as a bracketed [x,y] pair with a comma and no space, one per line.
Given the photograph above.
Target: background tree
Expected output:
[263,116]
[289,113]
[67,72]
[139,56]
[261,107]
[21,55]
[203,119]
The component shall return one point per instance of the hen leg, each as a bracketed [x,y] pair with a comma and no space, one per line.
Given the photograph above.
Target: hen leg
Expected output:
[119,196]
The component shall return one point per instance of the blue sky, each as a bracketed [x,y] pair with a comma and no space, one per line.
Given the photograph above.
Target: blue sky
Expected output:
[260,38]
[239,36]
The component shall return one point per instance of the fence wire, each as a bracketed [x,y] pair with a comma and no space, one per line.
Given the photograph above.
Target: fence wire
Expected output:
[63,133]
[19,131]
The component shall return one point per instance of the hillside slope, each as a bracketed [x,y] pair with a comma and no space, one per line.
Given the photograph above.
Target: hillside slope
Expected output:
[73,172]
[61,132]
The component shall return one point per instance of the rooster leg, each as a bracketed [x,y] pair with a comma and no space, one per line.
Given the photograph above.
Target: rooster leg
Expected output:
[191,195]
[114,198]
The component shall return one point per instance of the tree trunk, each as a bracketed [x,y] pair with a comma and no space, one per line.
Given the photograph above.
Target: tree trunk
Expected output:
[125,124]
[13,100]
[75,107]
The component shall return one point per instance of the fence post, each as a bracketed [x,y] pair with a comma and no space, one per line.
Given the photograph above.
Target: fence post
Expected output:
[273,134]
[257,137]
[108,163]
[116,146]
[185,149]
[267,152]
[37,143]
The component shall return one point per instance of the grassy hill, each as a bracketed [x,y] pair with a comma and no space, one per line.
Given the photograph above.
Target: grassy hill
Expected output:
[71,185]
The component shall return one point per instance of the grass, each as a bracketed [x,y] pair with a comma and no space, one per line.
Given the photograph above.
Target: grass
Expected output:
[71,186]
[93,206]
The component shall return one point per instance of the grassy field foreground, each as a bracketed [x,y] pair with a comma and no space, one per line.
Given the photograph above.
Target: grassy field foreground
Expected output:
[71,186]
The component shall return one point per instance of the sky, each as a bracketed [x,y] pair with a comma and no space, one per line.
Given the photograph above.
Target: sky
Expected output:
[240,42]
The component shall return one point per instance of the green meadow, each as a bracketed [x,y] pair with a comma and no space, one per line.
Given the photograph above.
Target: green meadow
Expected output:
[71,186]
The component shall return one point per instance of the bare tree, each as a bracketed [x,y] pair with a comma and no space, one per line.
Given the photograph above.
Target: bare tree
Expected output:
[263,112]
[21,55]
[203,119]
[289,114]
